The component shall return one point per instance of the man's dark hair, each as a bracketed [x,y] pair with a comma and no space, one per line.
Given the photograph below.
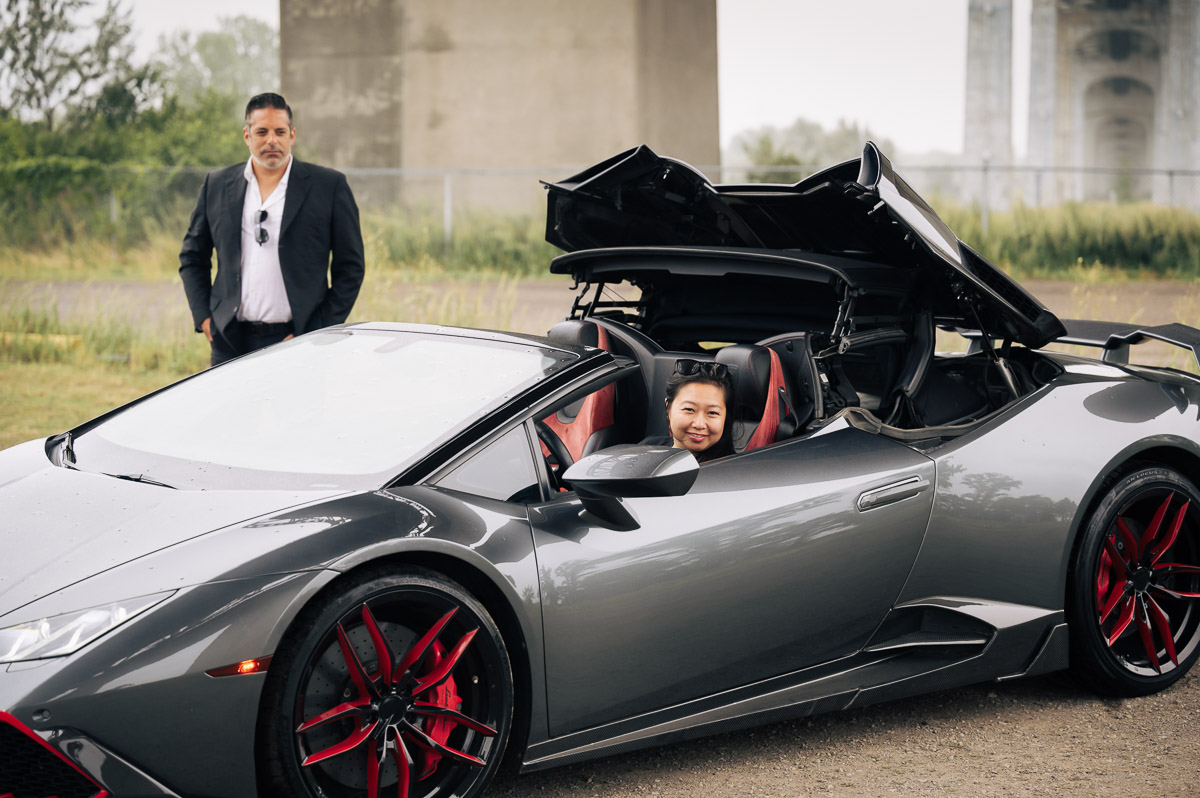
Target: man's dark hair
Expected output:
[268,100]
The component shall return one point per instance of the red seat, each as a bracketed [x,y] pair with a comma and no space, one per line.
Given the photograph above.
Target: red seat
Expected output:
[582,425]
[762,411]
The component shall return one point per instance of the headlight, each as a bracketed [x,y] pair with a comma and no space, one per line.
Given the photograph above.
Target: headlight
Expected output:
[64,634]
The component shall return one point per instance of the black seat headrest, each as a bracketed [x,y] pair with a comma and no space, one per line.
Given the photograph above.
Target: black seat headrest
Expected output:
[750,369]
[576,331]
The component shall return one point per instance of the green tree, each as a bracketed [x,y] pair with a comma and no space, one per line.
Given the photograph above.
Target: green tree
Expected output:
[846,141]
[56,57]
[805,144]
[762,151]
[240,59]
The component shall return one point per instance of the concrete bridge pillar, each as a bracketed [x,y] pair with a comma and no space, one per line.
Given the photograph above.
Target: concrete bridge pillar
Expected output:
[498,84]
[987,129]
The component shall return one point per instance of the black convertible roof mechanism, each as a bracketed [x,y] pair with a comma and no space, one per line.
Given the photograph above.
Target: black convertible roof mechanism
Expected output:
[860,210]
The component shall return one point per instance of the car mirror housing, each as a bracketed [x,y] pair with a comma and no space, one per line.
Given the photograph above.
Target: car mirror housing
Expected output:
[602,479]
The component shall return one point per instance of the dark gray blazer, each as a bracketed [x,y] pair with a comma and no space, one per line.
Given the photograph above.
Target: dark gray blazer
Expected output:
[319,234]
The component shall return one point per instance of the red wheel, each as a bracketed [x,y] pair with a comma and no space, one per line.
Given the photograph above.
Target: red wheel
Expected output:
[399,686]
[1135,608]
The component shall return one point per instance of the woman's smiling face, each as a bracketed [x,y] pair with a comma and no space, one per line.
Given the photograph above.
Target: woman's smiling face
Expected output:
[697,416]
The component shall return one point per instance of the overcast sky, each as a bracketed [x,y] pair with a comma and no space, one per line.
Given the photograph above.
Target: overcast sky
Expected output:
[896,67]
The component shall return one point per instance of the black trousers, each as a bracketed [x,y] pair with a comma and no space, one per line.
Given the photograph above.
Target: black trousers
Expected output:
[244,337]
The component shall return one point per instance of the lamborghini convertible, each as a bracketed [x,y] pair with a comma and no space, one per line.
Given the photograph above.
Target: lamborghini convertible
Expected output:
[381,559]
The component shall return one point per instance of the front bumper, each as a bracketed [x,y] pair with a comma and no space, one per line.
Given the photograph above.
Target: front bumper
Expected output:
[135,715]
[59,762]
[31,766]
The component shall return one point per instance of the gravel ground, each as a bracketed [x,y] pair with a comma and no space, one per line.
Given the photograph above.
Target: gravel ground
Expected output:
[1042,736]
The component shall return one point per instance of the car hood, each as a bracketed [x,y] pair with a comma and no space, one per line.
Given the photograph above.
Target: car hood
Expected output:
[861,209]
[62,526]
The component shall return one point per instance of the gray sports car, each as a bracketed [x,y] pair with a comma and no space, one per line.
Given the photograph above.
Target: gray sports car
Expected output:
[380,558]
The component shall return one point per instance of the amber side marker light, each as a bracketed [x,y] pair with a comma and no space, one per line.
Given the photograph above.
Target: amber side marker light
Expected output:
[242,668]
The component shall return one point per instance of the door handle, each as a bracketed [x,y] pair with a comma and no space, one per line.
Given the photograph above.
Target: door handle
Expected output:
[889,494]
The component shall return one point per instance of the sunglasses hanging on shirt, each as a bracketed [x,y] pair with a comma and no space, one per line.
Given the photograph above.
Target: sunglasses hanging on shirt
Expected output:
[260,234]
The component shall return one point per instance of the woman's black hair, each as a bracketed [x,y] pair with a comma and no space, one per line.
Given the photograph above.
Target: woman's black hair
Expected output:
[688,372]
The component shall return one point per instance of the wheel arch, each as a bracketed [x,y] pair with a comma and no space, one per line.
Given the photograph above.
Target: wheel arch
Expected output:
[495,593]
[1179,454]
[1093,654]
[499,604]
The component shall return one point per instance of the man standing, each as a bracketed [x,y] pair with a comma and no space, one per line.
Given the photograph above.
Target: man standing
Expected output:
[289,248]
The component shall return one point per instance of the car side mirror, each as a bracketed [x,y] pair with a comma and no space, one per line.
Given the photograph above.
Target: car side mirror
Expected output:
[602,479]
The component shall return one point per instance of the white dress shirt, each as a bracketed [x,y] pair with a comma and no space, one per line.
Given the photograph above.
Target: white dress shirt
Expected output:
[264,297]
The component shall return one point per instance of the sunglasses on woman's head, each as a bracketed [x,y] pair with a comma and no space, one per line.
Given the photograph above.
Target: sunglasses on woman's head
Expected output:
[703,368]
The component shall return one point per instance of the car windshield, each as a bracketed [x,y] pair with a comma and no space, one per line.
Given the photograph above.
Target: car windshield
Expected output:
[339,409]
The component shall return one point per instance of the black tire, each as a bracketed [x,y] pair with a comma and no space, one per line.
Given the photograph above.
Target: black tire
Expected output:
[431,708]
[1134,590]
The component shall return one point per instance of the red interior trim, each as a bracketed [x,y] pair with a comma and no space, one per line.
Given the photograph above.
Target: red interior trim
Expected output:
[597,413]
[769,426]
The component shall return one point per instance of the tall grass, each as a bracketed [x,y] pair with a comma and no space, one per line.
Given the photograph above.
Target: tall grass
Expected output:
[132,330]
[102,327]
[1085,241]
[412,246]
[1096,241]
[52,201]
[483,244]
[66,356]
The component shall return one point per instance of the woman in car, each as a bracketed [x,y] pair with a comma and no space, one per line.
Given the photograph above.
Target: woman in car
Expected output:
[699,394]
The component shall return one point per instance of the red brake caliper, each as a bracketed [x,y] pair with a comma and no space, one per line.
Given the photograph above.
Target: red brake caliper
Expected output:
[445,696]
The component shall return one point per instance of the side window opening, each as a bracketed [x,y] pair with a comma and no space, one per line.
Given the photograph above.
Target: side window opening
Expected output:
[504,470]
[604,413]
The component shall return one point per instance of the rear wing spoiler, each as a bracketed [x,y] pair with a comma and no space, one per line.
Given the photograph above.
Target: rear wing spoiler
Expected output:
[1113,337]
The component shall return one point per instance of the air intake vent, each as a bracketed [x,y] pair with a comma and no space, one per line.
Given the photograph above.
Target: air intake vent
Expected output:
[30,768]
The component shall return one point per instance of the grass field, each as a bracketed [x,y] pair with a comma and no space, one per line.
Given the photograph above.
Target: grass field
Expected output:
[58,369]
[125,330]
[1110,241]
[44,398]
[409,247]
[57,372]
